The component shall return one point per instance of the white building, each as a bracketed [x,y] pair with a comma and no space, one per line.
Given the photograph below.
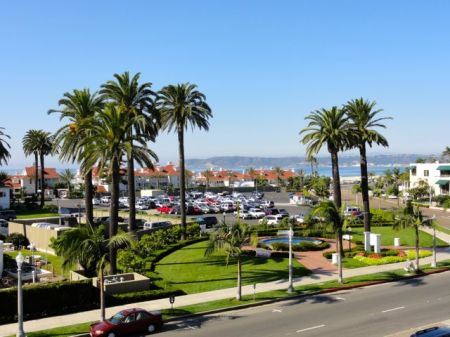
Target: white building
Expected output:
[437,175]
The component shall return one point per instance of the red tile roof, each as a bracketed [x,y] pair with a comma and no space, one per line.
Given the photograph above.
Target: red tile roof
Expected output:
[49,173]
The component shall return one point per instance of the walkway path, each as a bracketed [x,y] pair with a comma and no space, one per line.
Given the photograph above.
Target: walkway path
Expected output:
[318,277]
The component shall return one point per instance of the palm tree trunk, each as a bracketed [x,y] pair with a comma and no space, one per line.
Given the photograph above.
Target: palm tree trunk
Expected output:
[42,180]
[336,180]
[364,187]
[114,212]
[102,297]
[182,182]
[131,192]
[36,168]
[417,248]
[239,282]
[88,195]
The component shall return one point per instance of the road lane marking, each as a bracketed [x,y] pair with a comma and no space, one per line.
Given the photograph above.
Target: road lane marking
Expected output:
[277,310]
[340,298]
[311,328]
[393,309]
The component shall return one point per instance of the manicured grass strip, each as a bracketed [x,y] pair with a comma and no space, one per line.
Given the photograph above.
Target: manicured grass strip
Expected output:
[64,331]
[407,237]
[259,297]
[443,229]
[36,215]
[190,270]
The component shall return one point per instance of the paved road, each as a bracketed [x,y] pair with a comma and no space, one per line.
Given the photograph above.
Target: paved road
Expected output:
[367,312]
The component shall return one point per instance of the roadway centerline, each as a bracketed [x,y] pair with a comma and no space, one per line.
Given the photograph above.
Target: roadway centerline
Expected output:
[393,309]
[311,328]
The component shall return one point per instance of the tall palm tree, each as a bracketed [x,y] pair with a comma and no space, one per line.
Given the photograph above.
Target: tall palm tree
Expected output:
[107,142]
[411,218]
[30,147]
[327,128]
[364,118]
[39,143]
[181,106]
[79,108]
[446,153]
[66,177]
[89,248]
[253,175]
[231,240]
[4,147]
[134,99]
[279,172]
[208,175]
[334,217]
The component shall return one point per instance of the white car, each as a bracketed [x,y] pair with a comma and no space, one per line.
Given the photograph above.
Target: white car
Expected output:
[298,218]
[96,201]
[271,219]
[245,215]
[256,213]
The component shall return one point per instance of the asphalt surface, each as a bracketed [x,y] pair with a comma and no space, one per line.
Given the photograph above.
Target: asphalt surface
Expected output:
[367,312]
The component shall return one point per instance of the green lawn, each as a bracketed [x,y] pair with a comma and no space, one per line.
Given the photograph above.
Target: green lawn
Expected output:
[407,237]
[189,270]
[53,260]
[35,214]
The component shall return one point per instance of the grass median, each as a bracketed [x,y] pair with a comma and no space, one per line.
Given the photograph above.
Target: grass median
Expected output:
[259,298]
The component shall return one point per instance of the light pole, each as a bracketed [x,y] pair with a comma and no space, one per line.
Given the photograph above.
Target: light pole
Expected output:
[290,289]
[349,231]
[224,213]
[433,264]
[19,261]
[79,213]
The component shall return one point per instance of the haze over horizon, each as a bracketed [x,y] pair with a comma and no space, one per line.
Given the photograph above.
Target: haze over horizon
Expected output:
[262,66]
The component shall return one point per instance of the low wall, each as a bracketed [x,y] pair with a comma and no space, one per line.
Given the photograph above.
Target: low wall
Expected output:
[129,282]
[40,237]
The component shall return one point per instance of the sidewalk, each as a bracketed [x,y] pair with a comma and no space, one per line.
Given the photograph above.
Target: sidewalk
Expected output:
[319,277]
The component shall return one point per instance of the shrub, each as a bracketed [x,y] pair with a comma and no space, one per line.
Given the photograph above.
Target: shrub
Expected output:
[411,254]
[18,240]
[50,208]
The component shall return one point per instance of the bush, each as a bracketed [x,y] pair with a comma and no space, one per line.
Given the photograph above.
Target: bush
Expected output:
[411,254]
[50,208]
[18,240]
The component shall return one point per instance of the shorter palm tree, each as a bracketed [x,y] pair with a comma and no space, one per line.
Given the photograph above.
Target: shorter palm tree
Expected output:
[208,175]
[91,250]
[4,148]
[411,217]
[67,177]
[231,240]
[334,219]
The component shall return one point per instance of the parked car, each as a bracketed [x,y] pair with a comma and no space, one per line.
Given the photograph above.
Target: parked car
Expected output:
[298,218]
[256,213]
[164,209]
[352,211]
[96,201]
[283,213]
[245,215]
[129,321]
[105,200]
[157,224]
[433,332]
[207,221]
[8,214]
[271,219]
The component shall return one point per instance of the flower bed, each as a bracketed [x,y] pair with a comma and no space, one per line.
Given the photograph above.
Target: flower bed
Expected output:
[377,259]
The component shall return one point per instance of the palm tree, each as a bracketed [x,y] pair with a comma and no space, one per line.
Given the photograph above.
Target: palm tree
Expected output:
[279,173]
[334,217]
[208,175]
[79,108]
[91,250]
[181,106]
[66,177]
[446,153]
[411,218]
[30,147]
[330,128]
[40,143]
[108,141]
[4,148]
[231,240]
[313,162]
[134,99]
[363,119]
[254,176]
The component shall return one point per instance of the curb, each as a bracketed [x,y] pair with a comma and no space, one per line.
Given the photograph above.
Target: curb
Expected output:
[275,300]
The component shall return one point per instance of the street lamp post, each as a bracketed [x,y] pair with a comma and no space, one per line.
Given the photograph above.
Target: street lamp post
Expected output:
[433,264]
[224,213]
[349,231]
[19,261]
[290,289]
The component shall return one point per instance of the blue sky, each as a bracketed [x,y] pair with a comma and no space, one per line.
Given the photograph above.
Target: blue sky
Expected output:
[263,65]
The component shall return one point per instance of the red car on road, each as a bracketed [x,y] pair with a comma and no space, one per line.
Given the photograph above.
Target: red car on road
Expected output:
[125,322]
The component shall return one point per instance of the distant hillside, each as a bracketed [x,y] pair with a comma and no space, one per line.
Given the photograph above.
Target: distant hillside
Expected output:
[240,162]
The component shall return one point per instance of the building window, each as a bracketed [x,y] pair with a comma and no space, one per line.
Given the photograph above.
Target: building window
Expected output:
[426,173]
[413,171]
[2,194]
